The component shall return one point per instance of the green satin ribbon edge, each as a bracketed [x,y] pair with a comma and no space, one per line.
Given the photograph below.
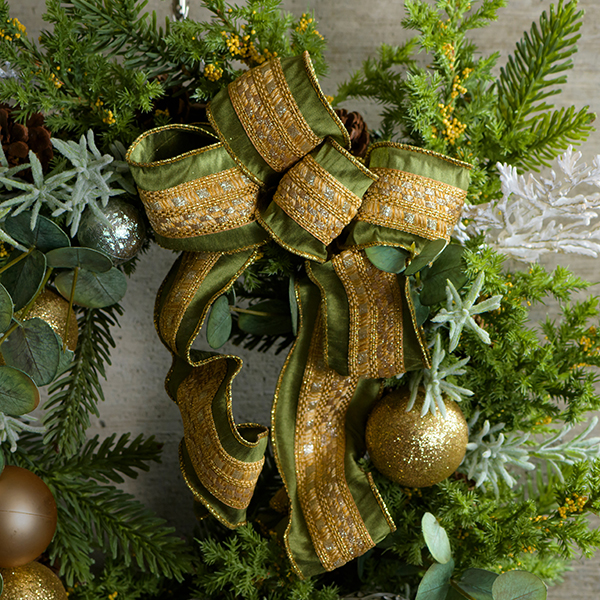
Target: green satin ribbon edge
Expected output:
[245,237]
[388,155]
[361,234]
[165,157]
[297,538]
[334,304]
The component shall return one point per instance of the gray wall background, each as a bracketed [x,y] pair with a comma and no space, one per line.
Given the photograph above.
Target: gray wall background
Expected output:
[135,397]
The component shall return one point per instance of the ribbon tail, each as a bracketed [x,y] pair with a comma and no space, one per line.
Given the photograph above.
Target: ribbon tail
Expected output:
[221,461]
[336,513]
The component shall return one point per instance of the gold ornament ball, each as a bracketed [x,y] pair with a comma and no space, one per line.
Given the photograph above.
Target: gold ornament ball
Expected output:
[27,517]
[52,308]
[412,450]
[32,582]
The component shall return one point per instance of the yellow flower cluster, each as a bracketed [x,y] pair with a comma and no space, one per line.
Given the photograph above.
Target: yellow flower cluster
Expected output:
[244,48]
[109,117]
[212,72]
[55,80]
[587,345]
[3,250]
[448,50]
[304,23]
[113,595]
[457,87]
[410,492]
[572,505]
[14,24]
[454,128]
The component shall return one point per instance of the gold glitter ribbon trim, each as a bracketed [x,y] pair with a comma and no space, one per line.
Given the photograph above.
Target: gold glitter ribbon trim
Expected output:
[316,200]
[412,203]
[218,202]
[336,527]
[230,480]
[271,117]
[375,303]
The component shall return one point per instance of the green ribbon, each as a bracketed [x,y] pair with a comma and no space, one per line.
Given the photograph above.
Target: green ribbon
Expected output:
[273,166]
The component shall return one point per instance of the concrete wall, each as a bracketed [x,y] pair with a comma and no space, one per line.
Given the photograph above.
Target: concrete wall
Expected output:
[135,398]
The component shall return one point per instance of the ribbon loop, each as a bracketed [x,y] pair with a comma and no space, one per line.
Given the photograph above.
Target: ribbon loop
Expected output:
[273,115]
[418,196]
[315,200]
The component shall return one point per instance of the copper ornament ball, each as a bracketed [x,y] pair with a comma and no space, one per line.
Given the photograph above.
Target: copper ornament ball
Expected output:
[27,517]
[412,450]
[52,308]
[32,582]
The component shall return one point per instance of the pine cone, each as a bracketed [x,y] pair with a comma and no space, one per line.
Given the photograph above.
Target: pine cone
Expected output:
[357,128]
[17,140]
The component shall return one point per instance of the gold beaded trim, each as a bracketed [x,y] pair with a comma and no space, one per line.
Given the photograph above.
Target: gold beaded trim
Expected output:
[375,303]
[230,480]
[192,271]
[316,200]
[269,114]
[334,522]
[218,202]
[412,203]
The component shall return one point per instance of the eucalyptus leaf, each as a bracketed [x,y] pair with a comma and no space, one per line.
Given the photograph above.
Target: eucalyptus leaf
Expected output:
[387,258]
[293,305]
[436,582]
[66,357]
[219,324]
[447,266]
[18,393]
[84,258]
[478,583]
[6,309]
[274,319]
[436,538]
[45,236]
[1,469]
[34,349]
[421,311]
[93,290]
[519,585]
[24,279]
[429,253]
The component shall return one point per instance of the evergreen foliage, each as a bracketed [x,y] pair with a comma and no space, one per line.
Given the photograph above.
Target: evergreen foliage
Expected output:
[457,106]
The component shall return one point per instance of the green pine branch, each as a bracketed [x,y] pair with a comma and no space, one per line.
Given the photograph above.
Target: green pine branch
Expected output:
[76,394]
[114,522]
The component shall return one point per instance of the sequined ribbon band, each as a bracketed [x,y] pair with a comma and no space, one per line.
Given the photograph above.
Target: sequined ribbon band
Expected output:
[217,202]
[412,203]
[271,117]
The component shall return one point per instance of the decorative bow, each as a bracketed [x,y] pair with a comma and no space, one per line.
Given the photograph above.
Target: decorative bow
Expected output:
[208,192]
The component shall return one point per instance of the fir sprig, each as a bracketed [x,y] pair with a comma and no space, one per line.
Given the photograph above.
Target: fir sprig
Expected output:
[75,395]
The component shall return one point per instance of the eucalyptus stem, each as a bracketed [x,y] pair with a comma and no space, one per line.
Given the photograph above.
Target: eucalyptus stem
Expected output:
[460,590]
[10,330]
[16,260]
[71,297]
[248,311]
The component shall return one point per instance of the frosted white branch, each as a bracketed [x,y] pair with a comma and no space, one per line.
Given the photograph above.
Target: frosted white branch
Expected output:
[560,213]
[11,428]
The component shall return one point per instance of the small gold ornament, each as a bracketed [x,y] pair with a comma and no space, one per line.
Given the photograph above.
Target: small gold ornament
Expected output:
[32,582]
[27,517]
[412,450]
[52,308]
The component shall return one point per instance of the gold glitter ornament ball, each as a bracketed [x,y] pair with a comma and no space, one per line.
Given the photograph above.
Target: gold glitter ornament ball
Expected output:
[27,517]
[412,450]
[32,582]
[52,308]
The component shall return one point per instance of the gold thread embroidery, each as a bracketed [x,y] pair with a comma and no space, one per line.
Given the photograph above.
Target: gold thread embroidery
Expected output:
[210,204]
[448,159]
[192,271]
[271,117]
[316,200]
[335,525]
[412,203]
[375,302]
[230,480]
[381,502]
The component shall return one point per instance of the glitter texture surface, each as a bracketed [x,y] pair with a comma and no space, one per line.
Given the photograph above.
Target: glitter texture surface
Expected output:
[411,450]
[52,308]
[32,582]
[120,237]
